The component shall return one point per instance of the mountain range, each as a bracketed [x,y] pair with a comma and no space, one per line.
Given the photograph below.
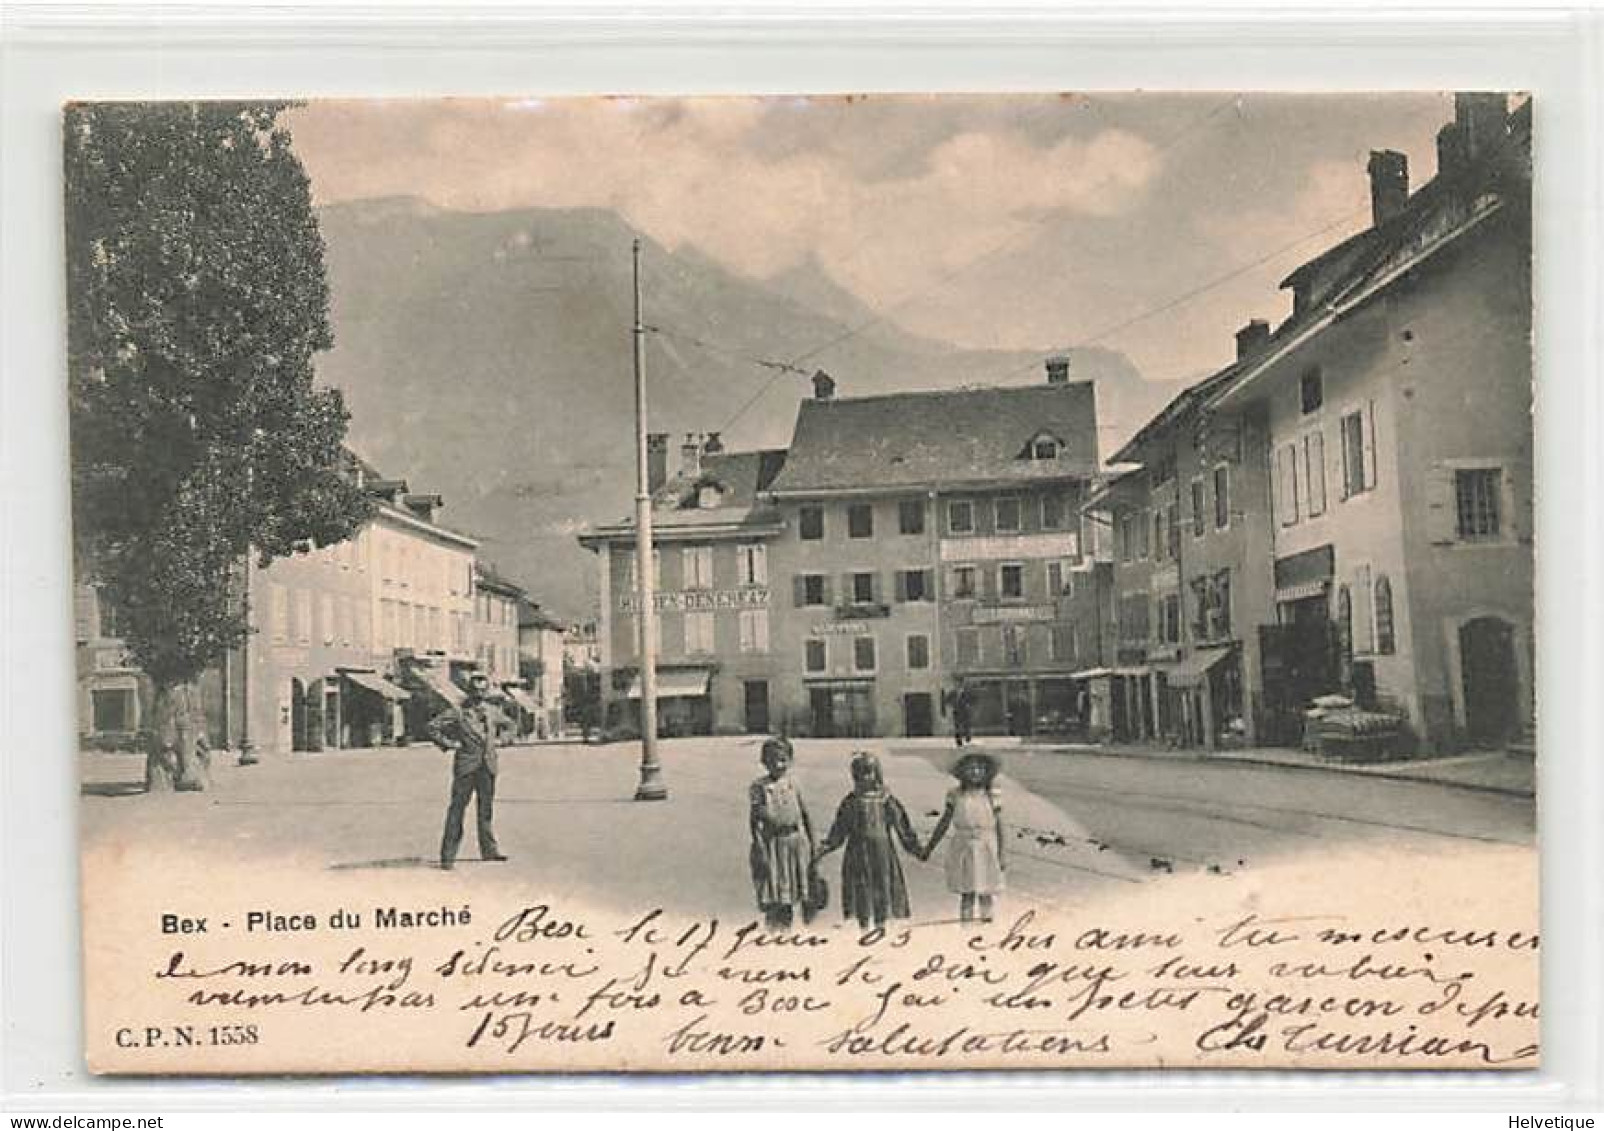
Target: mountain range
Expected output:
[487,357]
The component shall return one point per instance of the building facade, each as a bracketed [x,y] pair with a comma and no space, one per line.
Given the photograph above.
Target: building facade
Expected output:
[541,656]
[932,541]
[1347,507]
[712,534]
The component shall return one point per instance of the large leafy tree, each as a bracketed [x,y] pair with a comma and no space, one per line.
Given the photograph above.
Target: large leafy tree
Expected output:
[197,299]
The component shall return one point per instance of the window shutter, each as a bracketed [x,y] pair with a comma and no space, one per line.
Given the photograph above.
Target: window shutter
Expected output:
[928,576]
[824,581]
[1369,429]
[876,590]
[1440,518]
[798,590]
[902,585]
[1510,514]
[988,582]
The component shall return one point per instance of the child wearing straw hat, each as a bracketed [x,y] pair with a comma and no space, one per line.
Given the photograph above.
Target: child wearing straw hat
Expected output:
[975,860]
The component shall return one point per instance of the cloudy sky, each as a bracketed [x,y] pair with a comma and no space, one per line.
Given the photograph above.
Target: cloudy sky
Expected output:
[1019,222]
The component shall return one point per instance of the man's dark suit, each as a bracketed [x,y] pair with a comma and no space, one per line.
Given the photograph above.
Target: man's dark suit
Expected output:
[469,731]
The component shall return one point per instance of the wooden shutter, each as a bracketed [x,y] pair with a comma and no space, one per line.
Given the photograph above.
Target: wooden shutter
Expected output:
[1510,515]
[1440,516]
[875,588]
[988,581]
[1369,431]
[901,579]
[799,590]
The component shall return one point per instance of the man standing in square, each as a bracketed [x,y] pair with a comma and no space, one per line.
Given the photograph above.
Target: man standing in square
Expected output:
[469,732]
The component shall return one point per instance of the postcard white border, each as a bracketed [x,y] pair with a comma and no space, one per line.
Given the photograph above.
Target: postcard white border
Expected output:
[56,52]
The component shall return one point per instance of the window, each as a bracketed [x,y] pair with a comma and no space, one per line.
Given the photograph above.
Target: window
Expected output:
[1127,537]
[1386,639]
[1133,617]
[1311,391]
[963,582]
[1287,473]
[1052,512]
[1161,540]
[1013,645]
[918,652]
[1011,581]
[1314,473]
[968,641]
[633,560]
[114,709]
[1061,643]
[752,562]
[911,516]
[863,588]
[811,589]
[960,517]
[1198,505]
[1477,493]
[698,632]
[1364,624]
[860,521]
[1222,497]
[813,655]
[1358,452]
[1143,546]
[1169,619]
[697,562]
[325,616]
[913,585]
[1007,515]
[863,653]
[811,523]
[754,626]
[1059,579]
[1173,516]
[1044,447]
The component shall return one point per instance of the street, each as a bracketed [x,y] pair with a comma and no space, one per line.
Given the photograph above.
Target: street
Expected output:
[1081,823]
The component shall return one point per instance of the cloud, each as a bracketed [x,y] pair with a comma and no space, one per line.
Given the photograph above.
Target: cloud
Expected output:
[688,172]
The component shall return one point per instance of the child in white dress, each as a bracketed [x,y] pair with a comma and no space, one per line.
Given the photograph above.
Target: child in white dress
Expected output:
[975,861]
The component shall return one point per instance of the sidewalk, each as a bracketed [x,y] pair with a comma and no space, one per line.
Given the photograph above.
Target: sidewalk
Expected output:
[1491,771]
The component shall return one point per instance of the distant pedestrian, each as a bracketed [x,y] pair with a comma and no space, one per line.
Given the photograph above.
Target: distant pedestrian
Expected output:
[975,859]
[868,822]
[963,715]
[469,731]
[782,838]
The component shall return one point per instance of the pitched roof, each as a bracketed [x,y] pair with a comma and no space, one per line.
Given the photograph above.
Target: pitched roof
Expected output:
[740,476]
[940,437]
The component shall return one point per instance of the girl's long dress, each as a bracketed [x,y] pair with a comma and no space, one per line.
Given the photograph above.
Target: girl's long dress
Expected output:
[872,887]
[783,847]
[973,864]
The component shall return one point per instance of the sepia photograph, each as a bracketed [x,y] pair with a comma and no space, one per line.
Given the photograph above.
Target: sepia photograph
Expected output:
[830,583]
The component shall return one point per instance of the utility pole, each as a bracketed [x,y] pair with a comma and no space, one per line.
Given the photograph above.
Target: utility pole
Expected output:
[651,787]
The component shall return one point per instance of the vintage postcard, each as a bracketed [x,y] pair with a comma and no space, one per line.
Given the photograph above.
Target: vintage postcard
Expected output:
[861,583]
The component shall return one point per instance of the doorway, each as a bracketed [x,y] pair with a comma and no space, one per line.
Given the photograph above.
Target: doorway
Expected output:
[918,715]
[1490,679]
[298,737]
[757,706]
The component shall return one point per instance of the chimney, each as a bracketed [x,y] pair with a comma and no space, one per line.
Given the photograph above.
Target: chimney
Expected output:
[713,446]
[823,386]
[690,456]
[1451,150]
[1058,370]
[1251,338]
[1483,118]
[656,461]
[1389,184]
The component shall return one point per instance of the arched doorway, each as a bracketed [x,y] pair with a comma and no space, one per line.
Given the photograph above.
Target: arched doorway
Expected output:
[1491,680]
[298,736]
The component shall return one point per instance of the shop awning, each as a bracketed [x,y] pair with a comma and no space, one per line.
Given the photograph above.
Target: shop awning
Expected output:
[1190,671]
[1301,592]
[1300,576]
[378,685]
[675,685]
[1105,673]
[440,683]
[524,700]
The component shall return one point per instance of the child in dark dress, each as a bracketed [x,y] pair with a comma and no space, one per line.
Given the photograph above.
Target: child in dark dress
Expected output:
[867,822]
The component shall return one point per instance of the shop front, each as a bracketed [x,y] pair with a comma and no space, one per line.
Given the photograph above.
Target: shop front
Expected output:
[683,703]
[841,708]
[371,708]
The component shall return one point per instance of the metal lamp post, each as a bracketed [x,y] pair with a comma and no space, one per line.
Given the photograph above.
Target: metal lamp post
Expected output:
[651,787]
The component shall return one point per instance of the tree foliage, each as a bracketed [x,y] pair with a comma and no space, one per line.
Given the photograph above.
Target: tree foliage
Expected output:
[197,299]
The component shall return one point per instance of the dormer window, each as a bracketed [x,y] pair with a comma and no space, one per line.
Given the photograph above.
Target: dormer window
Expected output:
[1044,445]
[709,495]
